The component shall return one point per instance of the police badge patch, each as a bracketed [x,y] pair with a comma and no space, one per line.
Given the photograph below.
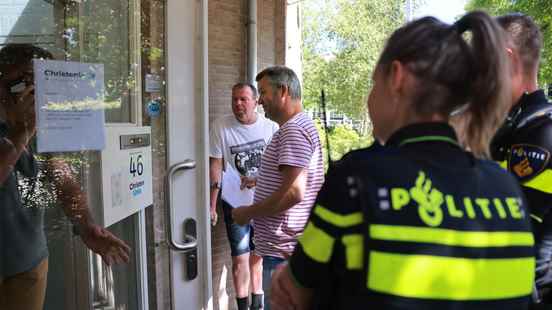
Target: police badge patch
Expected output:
[527,161]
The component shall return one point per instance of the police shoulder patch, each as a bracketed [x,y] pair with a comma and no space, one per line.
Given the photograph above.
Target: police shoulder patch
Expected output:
[527,161]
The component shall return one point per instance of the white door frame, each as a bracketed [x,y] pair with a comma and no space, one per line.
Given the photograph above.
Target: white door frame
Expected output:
[187,139]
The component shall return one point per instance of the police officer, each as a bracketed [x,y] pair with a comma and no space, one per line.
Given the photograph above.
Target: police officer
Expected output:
[523,144]
[419,223]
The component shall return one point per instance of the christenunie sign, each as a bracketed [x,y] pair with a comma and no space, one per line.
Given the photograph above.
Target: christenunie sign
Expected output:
[69,100]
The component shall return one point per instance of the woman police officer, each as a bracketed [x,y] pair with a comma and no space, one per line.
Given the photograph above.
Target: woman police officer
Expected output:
[419,223]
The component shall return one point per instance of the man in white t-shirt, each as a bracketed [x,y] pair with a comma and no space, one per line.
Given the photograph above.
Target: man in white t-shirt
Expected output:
[236,144]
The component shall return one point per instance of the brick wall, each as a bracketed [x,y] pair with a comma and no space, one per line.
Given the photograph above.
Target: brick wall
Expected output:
[228,46]
[227,66]
[227,52]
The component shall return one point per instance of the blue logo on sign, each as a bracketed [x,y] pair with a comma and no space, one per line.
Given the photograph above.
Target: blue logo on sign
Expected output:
[136,188]
[154,108]
[136,192]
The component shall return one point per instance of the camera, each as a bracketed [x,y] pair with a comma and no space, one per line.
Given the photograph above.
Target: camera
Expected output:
[17,86]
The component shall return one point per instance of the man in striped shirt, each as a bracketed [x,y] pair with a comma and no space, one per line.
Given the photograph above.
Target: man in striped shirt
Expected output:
[290,176]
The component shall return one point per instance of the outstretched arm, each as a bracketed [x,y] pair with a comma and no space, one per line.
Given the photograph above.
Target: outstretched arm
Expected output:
[290,193]
[73,200]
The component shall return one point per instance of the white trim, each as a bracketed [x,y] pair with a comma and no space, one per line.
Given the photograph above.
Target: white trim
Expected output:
[187,131]
[208,283]
[135,61]
[141,257]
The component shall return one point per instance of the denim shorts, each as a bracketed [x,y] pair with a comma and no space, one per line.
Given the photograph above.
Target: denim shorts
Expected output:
[239,236]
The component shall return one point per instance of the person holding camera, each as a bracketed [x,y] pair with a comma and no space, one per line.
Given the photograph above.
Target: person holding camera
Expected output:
[23,248]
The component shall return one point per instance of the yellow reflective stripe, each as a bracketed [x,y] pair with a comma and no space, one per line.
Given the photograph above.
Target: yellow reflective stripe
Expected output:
[542,182]
[450,278]
[353,250]
[316,243]
[336,219]
[503,164]
[476,239]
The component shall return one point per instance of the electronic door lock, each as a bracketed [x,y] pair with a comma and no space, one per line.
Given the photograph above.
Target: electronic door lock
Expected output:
[190,231]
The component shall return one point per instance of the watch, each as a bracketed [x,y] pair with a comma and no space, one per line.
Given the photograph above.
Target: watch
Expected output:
[215,184]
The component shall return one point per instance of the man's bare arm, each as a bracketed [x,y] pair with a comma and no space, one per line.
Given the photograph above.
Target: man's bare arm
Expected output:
[75,206]
[215,176]
[290,193]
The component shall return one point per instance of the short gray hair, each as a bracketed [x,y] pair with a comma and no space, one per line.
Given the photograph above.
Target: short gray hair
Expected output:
[238,86]
[280,76]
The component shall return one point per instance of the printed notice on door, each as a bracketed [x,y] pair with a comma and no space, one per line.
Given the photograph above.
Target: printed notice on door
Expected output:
[69,99]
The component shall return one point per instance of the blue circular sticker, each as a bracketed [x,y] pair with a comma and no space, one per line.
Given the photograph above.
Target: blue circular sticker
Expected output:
[154,108]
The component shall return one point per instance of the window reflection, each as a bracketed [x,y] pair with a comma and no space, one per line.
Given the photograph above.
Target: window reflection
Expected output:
[87,31]
[98,31]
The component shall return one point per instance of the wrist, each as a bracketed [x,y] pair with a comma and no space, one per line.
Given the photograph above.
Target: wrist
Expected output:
[82,218]
[215,185]
[82,228]
[9,152]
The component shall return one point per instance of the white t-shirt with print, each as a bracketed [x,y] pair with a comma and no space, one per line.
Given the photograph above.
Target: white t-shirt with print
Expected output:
[240,145]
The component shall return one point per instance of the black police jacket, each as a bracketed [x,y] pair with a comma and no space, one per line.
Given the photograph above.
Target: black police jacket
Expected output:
[417,224]
[523,146]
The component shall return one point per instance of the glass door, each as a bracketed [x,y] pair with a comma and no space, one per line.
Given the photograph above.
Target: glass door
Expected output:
[105,32]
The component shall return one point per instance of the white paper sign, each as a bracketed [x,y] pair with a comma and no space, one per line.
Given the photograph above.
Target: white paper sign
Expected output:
[231,192]
[69,99]
[153,83]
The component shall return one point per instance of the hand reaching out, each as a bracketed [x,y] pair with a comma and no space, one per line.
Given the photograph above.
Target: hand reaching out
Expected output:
[102,242]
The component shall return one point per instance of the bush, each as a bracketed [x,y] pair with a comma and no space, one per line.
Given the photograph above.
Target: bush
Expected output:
[343,139]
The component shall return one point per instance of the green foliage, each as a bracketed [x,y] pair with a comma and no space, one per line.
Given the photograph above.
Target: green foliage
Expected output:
[540,10]
[342,140]
[342,42]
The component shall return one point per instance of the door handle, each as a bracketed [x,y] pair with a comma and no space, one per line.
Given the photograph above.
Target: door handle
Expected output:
[190,241]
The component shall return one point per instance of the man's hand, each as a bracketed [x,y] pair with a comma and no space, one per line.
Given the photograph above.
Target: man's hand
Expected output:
[240,215]
[104,243]
[73,199]
[247,182]
[280,298]
[214,216]
[285,294]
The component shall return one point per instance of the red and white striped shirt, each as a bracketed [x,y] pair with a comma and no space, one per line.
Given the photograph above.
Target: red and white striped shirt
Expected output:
[295,144]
